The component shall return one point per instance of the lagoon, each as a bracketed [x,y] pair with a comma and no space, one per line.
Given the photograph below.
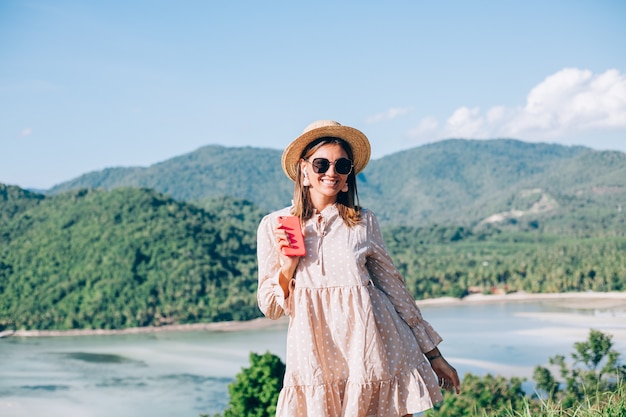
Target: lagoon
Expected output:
[186,373]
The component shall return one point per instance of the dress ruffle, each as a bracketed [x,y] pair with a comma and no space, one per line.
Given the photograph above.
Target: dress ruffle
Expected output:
[406,393]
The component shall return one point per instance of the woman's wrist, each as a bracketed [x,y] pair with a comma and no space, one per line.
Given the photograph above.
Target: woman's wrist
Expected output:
[284,279]
[286,275]
[433,354]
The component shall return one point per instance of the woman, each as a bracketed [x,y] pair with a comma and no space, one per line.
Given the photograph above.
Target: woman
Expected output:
[357,345]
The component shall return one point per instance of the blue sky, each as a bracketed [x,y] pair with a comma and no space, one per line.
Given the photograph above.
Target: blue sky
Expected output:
[86,85]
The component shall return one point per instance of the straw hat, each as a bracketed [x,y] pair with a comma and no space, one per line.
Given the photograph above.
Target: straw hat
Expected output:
[326,128]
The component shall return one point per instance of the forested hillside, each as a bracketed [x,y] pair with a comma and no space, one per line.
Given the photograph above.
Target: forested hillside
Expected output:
[133,257]
[459,216]
[252,174]
[510,183]
[129,257]
[14,200]
[439,182]
[506,182]
[453,261]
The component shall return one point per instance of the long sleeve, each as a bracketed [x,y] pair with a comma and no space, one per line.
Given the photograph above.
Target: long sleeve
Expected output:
[386,277]
[270,295]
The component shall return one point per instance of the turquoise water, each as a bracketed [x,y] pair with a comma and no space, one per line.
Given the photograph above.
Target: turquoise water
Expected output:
[185,374]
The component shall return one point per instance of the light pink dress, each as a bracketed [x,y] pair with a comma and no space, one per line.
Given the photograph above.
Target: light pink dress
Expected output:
[356,337]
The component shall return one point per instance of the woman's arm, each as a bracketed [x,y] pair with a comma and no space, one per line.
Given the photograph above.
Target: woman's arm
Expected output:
[275,270]
[447,376]
[387,278]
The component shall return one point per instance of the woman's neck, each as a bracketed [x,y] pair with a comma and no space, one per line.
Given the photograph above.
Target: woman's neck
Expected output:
[319,204]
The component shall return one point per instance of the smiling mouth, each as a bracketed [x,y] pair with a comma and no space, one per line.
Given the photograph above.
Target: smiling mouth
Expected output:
[329,182]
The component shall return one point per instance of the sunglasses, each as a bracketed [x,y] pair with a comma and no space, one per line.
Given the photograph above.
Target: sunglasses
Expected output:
[343,166]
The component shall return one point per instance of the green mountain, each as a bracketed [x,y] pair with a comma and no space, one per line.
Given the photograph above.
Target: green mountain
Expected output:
[503,182]
[252,174]
[580,196]
[133,257]
[438,183]
[128,257]
[458,216]
[462,182]
[13,200]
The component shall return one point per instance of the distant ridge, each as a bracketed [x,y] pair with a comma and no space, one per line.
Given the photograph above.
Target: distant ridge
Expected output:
[14,199]
[454,181]
[211,171]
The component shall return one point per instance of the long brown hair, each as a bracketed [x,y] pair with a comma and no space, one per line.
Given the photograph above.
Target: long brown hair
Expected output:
[347,203]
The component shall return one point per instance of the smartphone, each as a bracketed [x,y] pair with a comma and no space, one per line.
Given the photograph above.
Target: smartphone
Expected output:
[292,225]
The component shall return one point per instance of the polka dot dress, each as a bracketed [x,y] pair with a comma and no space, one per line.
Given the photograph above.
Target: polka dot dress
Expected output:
[356,337]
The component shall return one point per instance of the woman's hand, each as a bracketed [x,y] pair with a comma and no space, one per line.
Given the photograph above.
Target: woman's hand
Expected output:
[288,263]
[446,375]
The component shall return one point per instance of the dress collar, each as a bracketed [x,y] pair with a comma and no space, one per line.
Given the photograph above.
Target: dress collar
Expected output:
[329,211]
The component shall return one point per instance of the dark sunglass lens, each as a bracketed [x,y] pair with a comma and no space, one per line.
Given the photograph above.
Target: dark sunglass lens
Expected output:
[320,165]
[343,166]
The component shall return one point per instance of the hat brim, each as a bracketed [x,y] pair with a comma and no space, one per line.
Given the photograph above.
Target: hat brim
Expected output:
[355,138]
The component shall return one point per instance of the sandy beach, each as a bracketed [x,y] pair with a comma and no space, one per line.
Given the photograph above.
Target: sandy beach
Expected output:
[580,300]
[592,300]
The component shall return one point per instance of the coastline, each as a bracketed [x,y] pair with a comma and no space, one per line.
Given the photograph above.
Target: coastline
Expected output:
[590,300]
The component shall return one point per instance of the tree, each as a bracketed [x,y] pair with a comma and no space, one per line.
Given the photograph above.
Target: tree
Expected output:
[254,393]
[489,393]
[595,369]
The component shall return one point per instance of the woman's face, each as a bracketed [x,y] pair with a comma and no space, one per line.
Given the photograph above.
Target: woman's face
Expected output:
[325,186]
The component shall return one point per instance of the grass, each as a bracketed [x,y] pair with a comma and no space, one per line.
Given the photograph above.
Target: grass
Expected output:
[604,404]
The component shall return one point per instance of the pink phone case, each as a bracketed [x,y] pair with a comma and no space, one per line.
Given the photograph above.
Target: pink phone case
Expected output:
[292,225]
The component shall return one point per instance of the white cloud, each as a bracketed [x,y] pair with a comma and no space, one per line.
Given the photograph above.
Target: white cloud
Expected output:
[496,114]
[426,127]
[387,115]
[465,123]
[26,132]
[569,102]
